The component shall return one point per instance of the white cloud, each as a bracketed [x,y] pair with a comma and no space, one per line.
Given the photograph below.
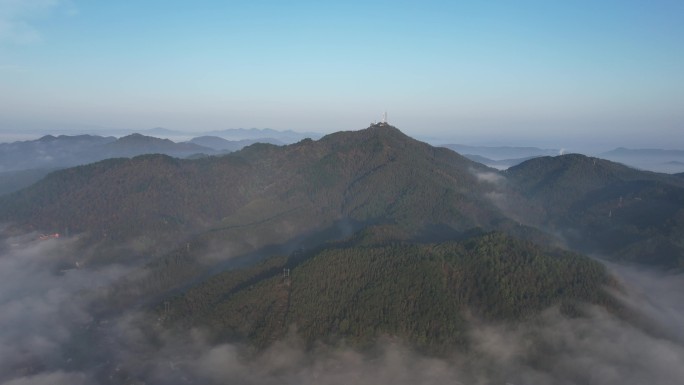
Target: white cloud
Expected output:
[488,177]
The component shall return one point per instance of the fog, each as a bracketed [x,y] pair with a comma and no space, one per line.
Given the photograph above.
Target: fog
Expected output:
[55,329]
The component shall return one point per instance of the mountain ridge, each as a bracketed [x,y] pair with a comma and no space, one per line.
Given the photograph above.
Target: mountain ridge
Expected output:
[368,175]
[606,207]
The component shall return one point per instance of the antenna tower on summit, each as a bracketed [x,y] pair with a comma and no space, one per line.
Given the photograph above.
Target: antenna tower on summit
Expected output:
[384,117]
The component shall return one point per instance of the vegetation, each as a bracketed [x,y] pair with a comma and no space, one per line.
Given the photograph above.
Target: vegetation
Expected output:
[395,237]
[424,293]
[152,204]
[607,208]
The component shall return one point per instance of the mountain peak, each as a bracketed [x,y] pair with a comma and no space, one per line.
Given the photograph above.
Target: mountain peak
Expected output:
[384,127]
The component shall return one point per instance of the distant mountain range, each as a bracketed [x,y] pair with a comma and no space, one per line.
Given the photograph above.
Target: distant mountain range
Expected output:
[501,152]
[502,157]
[621,151]
[497,164]
[25,162]
[236,134]
[669,161]
[219,144]
[378,175]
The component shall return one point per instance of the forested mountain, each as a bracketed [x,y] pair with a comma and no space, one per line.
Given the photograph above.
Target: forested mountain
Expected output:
[378,175]
[137,144]
[608,208]
[382,235]
[426,294]
[271,193]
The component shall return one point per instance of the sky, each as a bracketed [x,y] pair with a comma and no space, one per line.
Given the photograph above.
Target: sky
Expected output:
[545,72]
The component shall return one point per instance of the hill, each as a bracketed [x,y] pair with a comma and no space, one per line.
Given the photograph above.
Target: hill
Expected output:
[137,144]
[608,208]
[426,294]
[273,194]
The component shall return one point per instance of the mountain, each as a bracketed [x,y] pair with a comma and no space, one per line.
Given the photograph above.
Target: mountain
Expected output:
[271,193]
[220,144]
[280,194]
[381,235]
[287,136]
[607,208]
[51,152]
[646,152]
[137,144]
[364,246]
[425,294]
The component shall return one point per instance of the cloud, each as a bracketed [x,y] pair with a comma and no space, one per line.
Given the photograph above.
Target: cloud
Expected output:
[46,305]
[489,177]
[18,18]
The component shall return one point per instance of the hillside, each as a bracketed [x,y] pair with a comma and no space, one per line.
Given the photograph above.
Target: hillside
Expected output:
[608,208]
[426,294]
[274,194]
[11,181]
[137,144]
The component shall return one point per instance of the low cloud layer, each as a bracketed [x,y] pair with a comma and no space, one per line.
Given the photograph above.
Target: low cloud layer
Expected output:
[53,331]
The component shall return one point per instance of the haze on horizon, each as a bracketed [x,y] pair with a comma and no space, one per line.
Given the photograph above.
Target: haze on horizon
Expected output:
[498,72]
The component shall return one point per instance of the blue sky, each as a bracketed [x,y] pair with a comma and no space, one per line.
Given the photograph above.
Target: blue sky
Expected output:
[501,72]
